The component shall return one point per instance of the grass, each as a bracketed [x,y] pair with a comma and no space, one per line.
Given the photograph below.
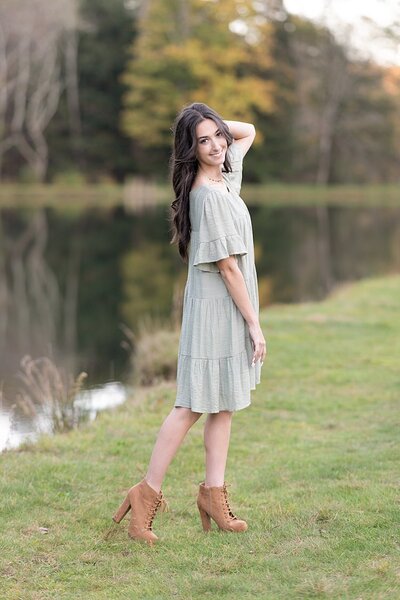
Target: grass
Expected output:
[138,194]
[314,468]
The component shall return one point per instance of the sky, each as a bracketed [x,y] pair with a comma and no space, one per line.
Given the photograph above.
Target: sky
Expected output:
[356,20]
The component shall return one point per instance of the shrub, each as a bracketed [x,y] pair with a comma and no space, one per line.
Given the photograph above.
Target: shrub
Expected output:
[155,352]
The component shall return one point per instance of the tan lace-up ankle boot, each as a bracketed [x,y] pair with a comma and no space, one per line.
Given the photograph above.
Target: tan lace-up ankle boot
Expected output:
[144,503]
[213,504]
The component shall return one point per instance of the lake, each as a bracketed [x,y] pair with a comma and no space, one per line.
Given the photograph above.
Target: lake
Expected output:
[75,284]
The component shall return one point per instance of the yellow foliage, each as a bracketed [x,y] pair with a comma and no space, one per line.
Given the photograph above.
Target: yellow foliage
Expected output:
[190,52]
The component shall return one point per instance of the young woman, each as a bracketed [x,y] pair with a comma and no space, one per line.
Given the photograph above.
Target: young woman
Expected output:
[221,346]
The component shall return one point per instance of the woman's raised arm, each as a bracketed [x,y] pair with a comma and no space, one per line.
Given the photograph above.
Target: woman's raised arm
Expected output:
[243,133]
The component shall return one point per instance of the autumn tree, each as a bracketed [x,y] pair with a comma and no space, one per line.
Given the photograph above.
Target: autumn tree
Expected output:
[344,115]
[196,50]
[365,144]
[391,84]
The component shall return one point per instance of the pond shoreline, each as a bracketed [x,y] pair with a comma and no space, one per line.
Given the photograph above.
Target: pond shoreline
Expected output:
[138,195]
[90,402]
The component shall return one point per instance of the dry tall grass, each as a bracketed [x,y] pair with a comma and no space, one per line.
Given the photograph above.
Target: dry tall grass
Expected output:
[49,391]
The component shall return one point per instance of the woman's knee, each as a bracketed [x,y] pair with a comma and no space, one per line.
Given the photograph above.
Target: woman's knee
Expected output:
[186,414]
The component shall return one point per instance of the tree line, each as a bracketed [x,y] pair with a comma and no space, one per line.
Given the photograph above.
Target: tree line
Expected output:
[89,90]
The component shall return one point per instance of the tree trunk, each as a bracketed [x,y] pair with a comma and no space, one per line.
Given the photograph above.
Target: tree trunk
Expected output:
[72,90]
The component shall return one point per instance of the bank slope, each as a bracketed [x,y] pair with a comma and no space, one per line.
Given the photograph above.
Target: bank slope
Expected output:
[313,468]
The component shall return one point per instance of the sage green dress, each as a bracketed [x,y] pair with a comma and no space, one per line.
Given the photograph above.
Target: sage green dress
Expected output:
[214,371]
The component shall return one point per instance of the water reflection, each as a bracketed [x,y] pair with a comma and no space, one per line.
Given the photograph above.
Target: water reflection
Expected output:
[302,254]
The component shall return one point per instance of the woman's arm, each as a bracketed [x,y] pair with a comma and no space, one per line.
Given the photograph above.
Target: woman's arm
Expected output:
[243,134]
[236,286]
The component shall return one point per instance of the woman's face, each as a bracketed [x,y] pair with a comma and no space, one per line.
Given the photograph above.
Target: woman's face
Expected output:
[211,143]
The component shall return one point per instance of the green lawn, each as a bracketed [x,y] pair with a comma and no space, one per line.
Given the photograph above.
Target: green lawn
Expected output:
[313,467]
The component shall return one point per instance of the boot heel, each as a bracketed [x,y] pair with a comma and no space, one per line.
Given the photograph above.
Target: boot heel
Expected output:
[205,519]
[122,511]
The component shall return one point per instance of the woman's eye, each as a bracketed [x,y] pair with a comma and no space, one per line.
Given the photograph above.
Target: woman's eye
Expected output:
[219,134]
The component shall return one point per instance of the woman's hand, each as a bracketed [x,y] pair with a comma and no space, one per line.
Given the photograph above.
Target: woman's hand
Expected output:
[259,343]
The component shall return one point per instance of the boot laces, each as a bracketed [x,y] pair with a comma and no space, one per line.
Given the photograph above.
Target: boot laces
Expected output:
[159,501]
[227,509]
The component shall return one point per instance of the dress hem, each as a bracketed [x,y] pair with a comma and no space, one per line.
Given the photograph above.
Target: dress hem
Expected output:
[212,412]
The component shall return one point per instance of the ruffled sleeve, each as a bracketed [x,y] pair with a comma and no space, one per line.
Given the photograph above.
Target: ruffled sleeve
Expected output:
[235,155]
[218,236]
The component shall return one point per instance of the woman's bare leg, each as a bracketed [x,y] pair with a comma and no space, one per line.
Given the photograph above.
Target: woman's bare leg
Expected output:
[217,432]
[170,437]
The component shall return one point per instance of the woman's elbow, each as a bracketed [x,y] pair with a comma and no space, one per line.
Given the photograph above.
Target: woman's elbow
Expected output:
[227,266]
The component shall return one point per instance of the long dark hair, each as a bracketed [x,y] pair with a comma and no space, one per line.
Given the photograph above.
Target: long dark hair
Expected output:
[184,166]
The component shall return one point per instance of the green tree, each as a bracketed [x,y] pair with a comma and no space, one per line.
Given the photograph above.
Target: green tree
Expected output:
[106,30]
[273,159]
